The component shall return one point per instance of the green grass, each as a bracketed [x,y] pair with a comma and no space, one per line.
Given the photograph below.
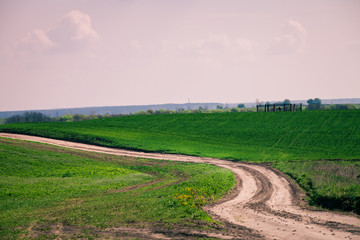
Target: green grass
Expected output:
[332,134]
[330,184]
[44,188]
[277,137]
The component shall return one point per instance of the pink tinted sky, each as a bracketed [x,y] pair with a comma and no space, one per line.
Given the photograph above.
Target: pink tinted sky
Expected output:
[77,53]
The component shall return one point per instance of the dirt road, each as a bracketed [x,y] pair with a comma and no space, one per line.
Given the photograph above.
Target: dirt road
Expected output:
[267,202]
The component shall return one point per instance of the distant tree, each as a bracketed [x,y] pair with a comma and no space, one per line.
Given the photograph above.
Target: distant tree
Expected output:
[163,111]
[219,107]
[79,117]
[67,118]
[317,101]
[160,111]
[169,111]
[241,105]
[286,101]
[150,111]
[343,106]
[267,103]
[234,110]
[314,104]
[93,116]
[217,110]
[141,112]
[197,110]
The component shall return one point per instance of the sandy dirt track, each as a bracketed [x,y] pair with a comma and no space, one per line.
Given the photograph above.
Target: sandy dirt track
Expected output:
[267,201]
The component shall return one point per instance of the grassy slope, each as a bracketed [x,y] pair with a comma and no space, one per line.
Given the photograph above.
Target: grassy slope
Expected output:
[239,136]
[329,184]
[43,187]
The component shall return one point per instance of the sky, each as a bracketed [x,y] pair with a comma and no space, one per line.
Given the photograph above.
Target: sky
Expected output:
[83,53]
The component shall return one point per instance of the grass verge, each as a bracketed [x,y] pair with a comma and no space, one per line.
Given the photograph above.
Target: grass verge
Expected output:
[328,184]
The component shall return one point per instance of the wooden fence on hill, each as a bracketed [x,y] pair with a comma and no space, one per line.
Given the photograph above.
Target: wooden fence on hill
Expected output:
[279,107]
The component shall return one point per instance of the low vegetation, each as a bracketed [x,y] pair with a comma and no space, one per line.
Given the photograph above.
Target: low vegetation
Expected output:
[329,184]
[48,192]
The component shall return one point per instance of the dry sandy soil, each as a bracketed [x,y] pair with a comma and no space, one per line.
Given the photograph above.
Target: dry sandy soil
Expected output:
[265,201]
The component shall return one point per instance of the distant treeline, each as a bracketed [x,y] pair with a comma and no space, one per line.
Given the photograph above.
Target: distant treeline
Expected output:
[316,104]
[219,108]
[111,110]
[29,117]
[39,117]
[341,106]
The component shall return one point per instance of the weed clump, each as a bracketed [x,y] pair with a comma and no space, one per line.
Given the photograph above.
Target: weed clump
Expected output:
[192,197]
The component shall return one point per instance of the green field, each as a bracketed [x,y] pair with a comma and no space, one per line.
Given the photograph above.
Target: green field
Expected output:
[292,141]
[332,134]
[45,188]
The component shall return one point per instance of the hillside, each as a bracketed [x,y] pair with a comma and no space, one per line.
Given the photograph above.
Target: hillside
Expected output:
[239,136]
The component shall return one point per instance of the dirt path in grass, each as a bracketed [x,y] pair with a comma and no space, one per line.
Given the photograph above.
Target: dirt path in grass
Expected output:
[266,200]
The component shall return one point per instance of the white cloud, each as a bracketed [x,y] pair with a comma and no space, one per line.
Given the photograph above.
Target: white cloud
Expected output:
[217,51]
[292,40]
[81,25]
[74,26]
[219,45]
[34,42]
[73,33]
[39,36]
